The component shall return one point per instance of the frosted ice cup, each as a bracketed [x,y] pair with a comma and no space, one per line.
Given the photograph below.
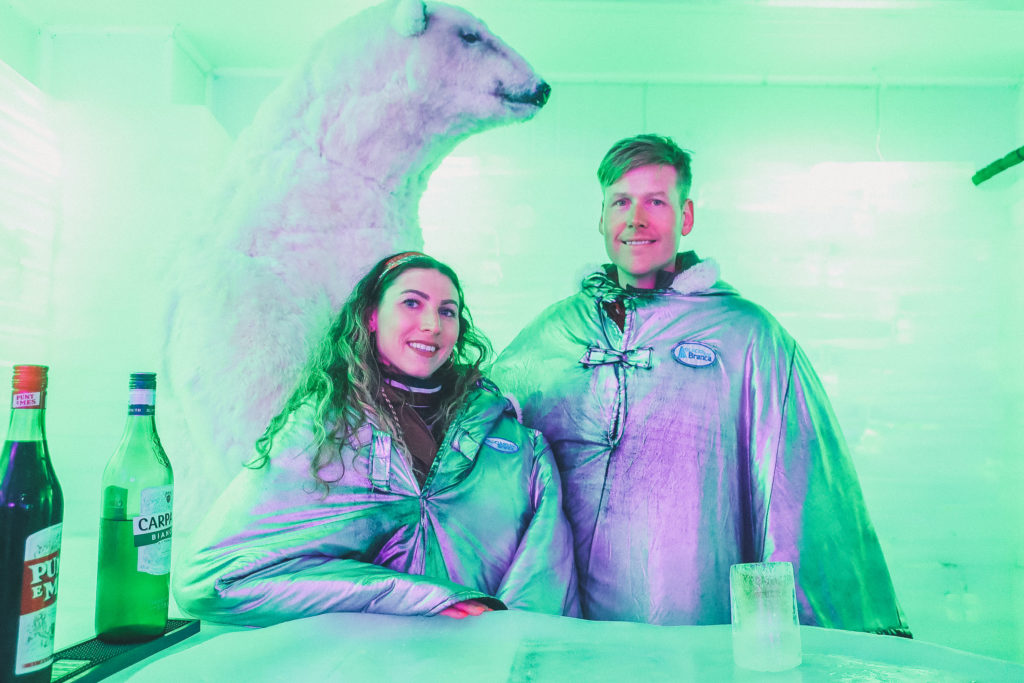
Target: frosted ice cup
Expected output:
[765,626]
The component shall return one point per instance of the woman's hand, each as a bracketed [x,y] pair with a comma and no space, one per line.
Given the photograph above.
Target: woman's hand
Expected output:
[466,608]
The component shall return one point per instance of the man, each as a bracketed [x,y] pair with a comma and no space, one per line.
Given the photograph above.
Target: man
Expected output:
[690,429]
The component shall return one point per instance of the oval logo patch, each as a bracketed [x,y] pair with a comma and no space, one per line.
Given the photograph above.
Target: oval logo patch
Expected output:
[694,354]
[503,445]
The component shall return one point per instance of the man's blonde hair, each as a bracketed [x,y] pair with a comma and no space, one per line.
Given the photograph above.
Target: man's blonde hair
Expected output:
[646,150]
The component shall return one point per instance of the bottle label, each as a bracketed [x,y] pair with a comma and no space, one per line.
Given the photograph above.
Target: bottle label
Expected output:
[38,600]
[27,399]
[152,529]
[141,401]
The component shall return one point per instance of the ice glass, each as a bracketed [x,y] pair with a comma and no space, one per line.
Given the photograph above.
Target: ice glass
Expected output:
[765,627]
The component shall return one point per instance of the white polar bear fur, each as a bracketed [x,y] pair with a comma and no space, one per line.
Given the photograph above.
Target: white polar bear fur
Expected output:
[325,181]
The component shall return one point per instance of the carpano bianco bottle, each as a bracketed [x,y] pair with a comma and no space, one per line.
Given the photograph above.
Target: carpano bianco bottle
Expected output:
[134,569]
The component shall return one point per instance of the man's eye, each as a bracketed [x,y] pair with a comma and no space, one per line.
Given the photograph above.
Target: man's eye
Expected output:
[657,202]
[620,202]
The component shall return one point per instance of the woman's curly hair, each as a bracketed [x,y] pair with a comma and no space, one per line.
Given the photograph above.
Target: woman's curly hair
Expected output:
[342,380]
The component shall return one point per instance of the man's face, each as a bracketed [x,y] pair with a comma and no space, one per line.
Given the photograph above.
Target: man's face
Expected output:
[642,221]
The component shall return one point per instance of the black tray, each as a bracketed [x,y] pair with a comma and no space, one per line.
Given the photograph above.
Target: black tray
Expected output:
[94,660]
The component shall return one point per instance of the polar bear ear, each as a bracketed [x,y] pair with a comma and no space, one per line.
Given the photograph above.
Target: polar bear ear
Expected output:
[410,17]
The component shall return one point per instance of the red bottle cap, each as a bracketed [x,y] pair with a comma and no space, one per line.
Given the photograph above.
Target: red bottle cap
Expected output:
[30,378]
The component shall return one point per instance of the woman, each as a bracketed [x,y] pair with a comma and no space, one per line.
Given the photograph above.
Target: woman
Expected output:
[395,480]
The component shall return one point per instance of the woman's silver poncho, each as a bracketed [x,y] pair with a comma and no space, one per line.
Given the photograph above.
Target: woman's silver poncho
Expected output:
[487,524]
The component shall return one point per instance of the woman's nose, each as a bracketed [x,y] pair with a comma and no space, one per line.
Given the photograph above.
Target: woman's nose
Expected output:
[429,321]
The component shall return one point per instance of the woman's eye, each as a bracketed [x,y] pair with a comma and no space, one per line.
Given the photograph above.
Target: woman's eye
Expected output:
[449,312]
[411,303]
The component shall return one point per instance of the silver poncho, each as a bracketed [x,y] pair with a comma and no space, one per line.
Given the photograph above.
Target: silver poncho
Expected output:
[487,525]
[697,437]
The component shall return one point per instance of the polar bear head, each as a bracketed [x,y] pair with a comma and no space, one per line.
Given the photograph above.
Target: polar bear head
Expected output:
[456,54]
[413,77]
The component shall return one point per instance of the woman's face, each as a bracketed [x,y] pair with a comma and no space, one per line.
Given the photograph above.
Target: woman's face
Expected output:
[417,322]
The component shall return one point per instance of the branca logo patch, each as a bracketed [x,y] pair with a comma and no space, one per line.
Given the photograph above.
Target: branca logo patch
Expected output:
[694,354]
[502,445]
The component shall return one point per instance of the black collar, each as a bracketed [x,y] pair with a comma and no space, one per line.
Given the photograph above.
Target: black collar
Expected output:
[413,385]
[664,278]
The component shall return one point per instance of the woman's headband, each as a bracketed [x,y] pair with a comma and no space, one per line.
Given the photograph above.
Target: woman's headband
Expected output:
[397,260]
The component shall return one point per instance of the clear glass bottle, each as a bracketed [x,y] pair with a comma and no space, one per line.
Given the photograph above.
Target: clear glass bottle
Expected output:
[134,569]
[31,519]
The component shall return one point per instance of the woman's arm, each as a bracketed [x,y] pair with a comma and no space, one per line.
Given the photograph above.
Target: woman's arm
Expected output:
[309,585]
[542,574]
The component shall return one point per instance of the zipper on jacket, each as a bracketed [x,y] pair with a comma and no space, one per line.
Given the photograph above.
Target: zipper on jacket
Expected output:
[620,372]
[615,429]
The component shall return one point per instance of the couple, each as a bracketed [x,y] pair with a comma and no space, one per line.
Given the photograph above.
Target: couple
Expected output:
[688,433]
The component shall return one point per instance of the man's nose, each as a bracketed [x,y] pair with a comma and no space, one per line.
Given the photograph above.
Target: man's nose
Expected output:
[637,217]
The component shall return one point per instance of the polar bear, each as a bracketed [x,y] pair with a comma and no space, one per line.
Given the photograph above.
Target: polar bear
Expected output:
[325,181]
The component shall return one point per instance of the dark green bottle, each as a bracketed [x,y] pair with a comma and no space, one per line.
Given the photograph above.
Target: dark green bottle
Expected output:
[31,517]
[134,570]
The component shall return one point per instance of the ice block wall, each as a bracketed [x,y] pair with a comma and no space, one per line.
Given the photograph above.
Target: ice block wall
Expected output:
[845,208]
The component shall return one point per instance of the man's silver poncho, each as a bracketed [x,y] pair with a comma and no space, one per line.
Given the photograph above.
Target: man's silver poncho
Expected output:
[487,524]
[696,438]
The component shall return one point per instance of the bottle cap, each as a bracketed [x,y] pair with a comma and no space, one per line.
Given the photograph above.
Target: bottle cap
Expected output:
[29,387]
[142,380]
[29,378]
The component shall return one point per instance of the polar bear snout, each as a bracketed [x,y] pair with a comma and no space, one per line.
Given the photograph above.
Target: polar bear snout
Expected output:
[537,97]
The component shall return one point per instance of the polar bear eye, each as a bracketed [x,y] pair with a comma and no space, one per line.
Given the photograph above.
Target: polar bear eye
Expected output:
[469,37]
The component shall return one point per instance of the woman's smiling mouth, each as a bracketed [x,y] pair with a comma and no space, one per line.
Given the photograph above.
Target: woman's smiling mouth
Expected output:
[424,348]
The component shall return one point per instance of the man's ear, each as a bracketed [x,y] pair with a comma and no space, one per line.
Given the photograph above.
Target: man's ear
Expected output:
[687,217]
[600,221]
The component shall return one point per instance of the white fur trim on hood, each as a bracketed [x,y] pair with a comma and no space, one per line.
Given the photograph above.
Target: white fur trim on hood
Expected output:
[699,277]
